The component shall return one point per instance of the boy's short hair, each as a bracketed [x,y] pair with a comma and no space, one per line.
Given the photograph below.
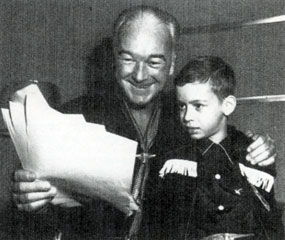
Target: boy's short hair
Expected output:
[202,69]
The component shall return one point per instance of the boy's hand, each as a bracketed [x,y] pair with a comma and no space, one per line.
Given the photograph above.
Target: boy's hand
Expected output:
[29,193]
[261,151]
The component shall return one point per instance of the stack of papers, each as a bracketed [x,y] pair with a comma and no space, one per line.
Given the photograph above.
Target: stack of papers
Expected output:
[74,155]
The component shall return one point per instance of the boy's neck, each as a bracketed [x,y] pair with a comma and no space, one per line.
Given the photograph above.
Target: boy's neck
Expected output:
[220,135]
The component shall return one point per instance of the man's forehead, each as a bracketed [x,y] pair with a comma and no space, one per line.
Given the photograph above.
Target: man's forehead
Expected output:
[144,25]
[147,39]
[146,20]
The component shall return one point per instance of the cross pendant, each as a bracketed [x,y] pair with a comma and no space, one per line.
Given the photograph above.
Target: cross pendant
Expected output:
[144,156]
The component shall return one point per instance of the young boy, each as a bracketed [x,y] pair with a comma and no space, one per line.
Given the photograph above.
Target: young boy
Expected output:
[233,199]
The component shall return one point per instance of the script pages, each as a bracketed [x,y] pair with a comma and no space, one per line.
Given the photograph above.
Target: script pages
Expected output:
[76,156]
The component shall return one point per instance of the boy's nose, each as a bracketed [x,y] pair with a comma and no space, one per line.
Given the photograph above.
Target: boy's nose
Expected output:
[188,115]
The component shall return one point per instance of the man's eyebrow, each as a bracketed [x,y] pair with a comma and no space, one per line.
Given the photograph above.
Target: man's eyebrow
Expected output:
[124,52]
[161,56]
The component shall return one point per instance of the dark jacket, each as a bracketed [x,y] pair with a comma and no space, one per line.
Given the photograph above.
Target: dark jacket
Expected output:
[228,201]
[98,219]
[178,188]
[224,200]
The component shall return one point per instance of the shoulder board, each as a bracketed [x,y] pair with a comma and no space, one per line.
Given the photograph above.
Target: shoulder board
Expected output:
[257,178]
[179,166]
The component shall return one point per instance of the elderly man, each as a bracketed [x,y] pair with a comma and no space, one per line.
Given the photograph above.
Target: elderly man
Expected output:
[144,49]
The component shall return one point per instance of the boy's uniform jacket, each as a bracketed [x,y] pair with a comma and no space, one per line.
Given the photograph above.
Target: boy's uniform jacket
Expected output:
[229,195]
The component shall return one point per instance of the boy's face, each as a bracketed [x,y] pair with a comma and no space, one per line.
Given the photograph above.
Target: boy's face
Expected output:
[201,111]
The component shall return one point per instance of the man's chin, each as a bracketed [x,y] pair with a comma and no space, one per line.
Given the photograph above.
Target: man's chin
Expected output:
[140,102]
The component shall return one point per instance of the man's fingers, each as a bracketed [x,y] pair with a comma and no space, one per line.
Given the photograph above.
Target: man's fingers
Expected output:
[34,196]
[249,134]
[24,176]
[259,158]
[264,150]
[258,140]
[34,206]
[33,201]
[35,186]
[261,150]
[268,162]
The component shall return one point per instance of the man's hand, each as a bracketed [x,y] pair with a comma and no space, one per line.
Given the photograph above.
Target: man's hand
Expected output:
[29,193]
[261,151]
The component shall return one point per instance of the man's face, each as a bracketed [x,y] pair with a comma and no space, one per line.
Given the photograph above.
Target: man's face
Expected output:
[144,61]
[201,112]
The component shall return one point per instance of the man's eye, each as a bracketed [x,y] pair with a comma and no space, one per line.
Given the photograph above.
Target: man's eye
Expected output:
[126,59]
[155,64]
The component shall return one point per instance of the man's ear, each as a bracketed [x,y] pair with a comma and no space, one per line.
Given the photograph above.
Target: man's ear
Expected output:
[229,105]
[172,66]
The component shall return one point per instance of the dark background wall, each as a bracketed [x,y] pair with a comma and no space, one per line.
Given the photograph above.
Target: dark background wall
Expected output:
[51,40]
[54,41]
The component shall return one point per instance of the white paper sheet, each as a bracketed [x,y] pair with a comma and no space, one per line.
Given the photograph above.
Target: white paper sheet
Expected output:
[74,155]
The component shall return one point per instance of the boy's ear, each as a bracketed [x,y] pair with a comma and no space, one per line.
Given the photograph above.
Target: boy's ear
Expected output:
[229,105]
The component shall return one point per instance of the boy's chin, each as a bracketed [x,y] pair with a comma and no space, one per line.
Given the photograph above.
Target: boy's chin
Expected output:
[197,136]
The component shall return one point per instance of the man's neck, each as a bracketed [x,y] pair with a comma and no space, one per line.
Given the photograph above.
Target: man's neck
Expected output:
[142,116]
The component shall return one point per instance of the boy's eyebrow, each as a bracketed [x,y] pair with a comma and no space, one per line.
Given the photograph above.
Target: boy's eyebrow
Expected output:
[193,101]
[198,101]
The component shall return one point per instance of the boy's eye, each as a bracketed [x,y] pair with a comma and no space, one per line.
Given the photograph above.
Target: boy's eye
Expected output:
[181,106]
[198,106]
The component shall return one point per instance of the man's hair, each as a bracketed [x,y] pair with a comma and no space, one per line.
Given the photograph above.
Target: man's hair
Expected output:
[210,69]
[129,15]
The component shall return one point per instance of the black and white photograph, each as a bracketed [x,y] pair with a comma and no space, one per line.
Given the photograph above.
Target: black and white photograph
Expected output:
[142,119]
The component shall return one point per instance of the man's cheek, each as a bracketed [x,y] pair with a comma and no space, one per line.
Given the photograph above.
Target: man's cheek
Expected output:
[121,71]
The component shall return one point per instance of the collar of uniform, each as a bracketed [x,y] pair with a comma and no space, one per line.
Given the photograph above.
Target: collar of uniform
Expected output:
[204,145]
[227,143]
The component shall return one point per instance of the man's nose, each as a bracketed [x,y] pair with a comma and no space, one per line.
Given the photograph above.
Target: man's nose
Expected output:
[140,72]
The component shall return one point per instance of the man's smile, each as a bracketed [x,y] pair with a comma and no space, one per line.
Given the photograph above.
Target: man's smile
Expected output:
[139,86]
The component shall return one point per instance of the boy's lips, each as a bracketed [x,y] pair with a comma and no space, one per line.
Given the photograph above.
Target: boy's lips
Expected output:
[193,129]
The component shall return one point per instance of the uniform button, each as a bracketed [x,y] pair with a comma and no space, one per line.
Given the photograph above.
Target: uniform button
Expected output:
[218,176]
[221,208]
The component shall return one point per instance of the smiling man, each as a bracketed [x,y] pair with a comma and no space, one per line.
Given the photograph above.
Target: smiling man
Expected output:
[144,49]
[143,69]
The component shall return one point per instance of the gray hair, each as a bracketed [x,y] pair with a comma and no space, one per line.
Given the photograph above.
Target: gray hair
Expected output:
[133,13]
